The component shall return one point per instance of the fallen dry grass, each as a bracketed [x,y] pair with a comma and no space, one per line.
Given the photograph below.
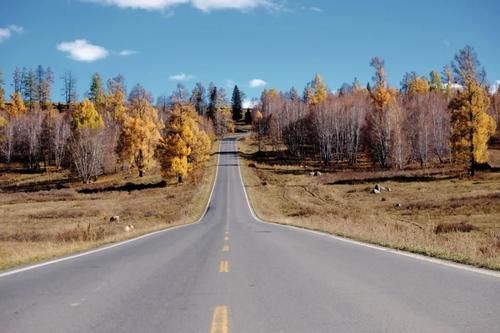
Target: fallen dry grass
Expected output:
[38,225]
[433,212]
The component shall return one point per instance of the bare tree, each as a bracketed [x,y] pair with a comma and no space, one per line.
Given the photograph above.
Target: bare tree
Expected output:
[378,135]
[441,125]
[399,151]
[325,128]
[294,131]
[59,139]
[356,114]
[87,153]
[418,127]
[29,138]
[9,140]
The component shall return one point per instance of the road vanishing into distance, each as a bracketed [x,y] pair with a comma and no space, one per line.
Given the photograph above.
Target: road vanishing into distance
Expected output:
[232,273]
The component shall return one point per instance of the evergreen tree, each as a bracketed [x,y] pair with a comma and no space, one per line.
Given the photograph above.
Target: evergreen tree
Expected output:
[68,90]
[237,104]
[248,116]
[17,80]
[198,98]
[436,83]
[212,101]
[96,92]
[30,89]
[44,81]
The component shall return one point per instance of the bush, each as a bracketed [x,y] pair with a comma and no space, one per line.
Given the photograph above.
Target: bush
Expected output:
[443,228]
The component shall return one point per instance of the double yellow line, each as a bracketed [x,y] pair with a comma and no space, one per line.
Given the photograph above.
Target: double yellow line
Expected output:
[220,322]
[224,266]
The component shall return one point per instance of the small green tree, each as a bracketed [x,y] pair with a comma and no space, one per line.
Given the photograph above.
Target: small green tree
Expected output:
[436,83]
[237,104]
[96,93]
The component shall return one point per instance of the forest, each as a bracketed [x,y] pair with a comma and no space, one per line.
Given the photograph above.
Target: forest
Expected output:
[447,117]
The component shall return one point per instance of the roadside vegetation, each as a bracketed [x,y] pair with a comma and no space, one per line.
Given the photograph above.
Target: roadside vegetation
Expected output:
[46,216]
[84,172]
[415,168]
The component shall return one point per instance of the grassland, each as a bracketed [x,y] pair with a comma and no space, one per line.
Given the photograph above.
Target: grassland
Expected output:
[437,211]
[51,214]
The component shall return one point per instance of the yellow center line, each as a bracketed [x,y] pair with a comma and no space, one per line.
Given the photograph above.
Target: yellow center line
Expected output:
[220,320]
[225,248]
[226,238]
[224,266]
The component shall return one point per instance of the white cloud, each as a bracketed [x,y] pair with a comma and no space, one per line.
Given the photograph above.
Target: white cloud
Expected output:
[316,9]
[6,33]
[208,5]
[181,77]
[495,87]
[127,52]
[204,5]
[82,50]
[249,103]
[255,83]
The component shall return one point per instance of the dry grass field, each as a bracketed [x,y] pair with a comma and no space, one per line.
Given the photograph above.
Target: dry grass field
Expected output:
[50,215]
[437,212]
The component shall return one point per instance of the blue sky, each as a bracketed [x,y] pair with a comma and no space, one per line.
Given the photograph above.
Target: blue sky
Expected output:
[249,42]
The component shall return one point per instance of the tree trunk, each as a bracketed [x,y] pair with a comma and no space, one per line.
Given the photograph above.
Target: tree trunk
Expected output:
[471,138]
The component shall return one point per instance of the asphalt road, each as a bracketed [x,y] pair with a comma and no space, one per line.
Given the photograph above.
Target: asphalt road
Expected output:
[231,273]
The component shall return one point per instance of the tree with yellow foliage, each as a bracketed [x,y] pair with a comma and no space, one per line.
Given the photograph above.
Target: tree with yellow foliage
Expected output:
[86,116]
[471,124]
[419,86]
[223,121]
[114,106]
[140,136]
[17,107]
[318,91]
[3,123]
[185,144]
[87,141]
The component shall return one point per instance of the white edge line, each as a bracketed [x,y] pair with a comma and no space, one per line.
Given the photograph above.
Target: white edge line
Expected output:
[86,253]
[371,246]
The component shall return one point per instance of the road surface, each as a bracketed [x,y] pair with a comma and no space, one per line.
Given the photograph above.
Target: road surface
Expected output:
[231,273]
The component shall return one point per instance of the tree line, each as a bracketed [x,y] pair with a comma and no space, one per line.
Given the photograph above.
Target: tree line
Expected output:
[447,117]
[110,130]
